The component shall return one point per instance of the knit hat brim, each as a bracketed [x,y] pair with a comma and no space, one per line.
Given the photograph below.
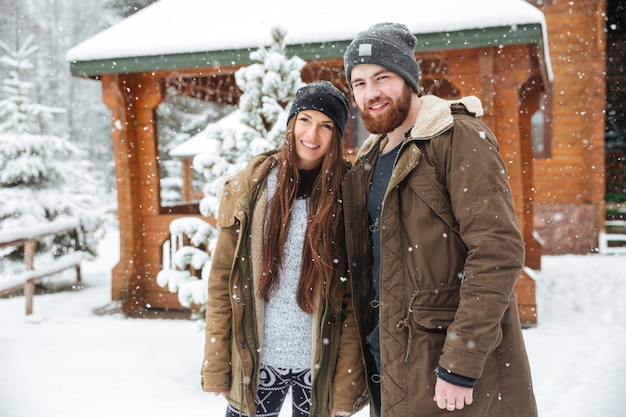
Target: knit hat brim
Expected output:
[324,97]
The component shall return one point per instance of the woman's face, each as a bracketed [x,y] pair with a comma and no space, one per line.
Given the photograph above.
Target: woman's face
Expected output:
[313,134]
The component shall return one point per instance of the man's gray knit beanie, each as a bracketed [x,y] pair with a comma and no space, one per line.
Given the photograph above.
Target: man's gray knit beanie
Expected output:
[390,45]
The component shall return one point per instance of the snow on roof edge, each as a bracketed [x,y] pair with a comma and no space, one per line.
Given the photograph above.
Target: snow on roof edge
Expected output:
[143,34]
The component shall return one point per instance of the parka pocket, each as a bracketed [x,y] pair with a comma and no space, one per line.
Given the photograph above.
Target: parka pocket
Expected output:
[433,310]
[225,219]
[422,319]
[433,318]
[226,216]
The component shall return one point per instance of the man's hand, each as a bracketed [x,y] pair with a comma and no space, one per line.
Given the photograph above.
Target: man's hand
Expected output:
[452,397]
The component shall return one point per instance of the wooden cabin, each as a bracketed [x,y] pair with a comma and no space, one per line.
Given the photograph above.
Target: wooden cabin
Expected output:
[502,58]
[569,175]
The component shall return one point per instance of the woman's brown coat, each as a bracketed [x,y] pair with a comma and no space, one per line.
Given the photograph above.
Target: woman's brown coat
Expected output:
[451,253]
[234,314]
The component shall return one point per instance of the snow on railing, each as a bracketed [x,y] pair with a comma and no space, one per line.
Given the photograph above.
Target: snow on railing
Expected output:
[15,237]
[181,261]
[28,237]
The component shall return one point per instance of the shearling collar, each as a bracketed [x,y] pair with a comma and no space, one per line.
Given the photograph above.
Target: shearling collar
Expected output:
[434,117]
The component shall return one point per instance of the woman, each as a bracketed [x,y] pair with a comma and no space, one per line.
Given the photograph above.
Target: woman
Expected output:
[278,313]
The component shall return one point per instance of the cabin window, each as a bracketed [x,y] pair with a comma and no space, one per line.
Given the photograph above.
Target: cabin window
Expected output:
[540,128]
[535,122]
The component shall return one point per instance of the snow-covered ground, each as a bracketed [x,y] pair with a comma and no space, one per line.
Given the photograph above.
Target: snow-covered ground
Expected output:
[67,361]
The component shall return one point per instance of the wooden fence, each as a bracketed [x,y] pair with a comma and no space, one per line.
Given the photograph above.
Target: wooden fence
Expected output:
[28,238]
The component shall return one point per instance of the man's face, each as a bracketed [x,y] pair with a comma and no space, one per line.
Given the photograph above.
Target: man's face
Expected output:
[383,97]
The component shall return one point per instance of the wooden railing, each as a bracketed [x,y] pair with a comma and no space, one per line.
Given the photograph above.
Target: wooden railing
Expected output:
[28,238]
[613,239]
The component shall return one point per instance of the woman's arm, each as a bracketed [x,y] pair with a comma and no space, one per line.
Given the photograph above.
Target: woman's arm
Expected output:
[216,368]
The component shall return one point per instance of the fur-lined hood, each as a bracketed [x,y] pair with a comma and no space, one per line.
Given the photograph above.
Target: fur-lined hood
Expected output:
[435,117]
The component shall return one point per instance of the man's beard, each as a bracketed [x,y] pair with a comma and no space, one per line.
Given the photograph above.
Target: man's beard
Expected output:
[392,118]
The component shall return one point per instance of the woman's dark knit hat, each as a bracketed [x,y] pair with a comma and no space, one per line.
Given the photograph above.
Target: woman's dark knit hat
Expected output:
[390,45]
[323,97]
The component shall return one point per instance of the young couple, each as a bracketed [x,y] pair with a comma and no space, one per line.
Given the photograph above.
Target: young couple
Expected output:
[388,283]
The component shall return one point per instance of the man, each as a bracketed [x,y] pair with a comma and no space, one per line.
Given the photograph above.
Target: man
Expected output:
[433,244]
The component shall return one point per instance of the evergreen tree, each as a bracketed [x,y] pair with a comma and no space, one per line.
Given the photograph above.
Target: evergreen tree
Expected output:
[41,175]
[58,26]
[269,86]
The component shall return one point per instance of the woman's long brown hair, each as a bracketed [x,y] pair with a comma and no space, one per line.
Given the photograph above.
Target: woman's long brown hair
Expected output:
[322,240]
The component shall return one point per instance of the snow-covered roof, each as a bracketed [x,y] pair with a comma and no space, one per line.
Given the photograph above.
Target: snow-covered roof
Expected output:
[156,36]
[203,141]
[199,143]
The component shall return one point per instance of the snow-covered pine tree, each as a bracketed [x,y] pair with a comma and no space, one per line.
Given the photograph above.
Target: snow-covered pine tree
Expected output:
[42,177]
[269,86]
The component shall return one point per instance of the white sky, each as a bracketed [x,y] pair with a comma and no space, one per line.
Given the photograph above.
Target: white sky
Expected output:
[182,26]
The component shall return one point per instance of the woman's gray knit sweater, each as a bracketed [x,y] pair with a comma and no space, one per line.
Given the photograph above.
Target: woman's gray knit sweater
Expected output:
[287,338]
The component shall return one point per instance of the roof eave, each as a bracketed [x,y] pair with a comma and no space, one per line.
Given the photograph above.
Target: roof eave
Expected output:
[462,39]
